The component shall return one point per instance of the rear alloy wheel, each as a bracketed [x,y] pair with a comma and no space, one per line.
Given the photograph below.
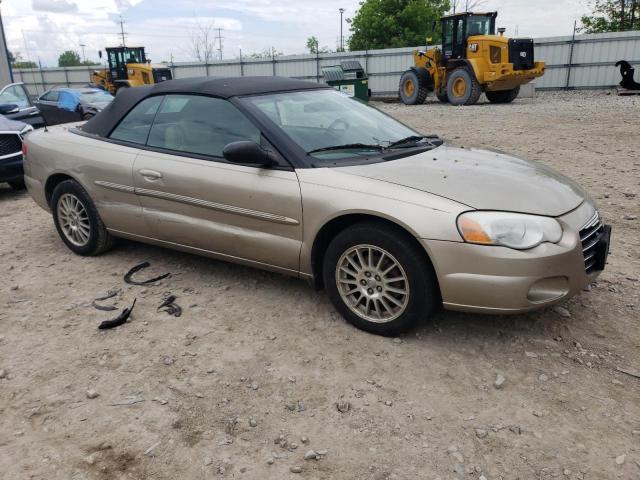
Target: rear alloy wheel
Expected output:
[378,279]
[77,220]
[411,89]
[503,96]
[462,87]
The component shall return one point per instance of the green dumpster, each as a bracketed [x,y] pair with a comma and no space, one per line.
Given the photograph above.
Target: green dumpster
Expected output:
[348,77]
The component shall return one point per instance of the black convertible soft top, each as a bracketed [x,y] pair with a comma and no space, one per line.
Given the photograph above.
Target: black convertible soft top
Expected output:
[224,87]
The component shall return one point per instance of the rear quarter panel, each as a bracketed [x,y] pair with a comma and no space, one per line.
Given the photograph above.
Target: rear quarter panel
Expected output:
[86,160]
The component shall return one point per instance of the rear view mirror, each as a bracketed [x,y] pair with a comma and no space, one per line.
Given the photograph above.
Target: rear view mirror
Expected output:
[100,53]
[7,108]
[247,152]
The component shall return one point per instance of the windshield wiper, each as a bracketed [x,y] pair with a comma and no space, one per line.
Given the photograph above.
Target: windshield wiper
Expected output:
[348,146]
[409,141]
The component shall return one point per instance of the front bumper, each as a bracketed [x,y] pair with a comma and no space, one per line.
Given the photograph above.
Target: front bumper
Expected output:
[11,168]
[490,279]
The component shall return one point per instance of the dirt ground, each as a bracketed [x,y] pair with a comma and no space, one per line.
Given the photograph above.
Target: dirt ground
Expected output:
[246,381]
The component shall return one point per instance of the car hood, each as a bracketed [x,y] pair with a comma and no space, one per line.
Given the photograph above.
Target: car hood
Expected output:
[8,125]
[481,179]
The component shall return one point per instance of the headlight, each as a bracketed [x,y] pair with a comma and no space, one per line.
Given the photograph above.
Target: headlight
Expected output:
[513,230]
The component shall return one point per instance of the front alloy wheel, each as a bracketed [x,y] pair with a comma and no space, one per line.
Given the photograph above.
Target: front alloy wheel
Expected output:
[379,278]
[372,283]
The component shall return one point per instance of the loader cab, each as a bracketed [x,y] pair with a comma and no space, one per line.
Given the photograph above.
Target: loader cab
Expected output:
[120,57]
[457,28]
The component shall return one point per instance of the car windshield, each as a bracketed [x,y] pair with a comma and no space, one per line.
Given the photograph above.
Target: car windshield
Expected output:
[330,125]
[96,96]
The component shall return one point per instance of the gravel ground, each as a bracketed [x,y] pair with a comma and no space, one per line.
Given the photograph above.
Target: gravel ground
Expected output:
[260,372]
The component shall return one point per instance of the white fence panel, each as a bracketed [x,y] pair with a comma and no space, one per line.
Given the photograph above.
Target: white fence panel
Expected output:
[588,61]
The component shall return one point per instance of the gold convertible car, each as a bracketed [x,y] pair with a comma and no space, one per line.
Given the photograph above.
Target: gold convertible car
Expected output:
[296,177]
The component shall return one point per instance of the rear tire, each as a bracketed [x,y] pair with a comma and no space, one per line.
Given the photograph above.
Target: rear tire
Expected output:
[87,116]
[463,87]
[77,220]
[412,90]
[379,279]
[503,96]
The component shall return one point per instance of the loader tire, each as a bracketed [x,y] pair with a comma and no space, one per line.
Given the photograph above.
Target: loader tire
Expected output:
[463,87]
[503,96]
[412,91]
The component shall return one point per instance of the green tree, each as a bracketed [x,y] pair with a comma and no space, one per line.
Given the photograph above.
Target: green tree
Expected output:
[312,44]
[395,23]
[611,16]
[69,58]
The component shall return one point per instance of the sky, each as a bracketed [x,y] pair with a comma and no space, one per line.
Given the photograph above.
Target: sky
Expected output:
[42,29]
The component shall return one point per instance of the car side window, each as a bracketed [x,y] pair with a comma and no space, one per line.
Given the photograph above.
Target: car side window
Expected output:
[135,126]
[199,125]
[15,95]
[51,96]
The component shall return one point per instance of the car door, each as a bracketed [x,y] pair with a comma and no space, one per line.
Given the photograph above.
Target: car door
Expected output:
[107,166]
[48,105]
[191,196]
[16,94]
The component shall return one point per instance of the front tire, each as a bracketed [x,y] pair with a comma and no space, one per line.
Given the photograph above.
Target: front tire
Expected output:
[379,279]
[411,90]
[463,87]
[77,220]
[503,96]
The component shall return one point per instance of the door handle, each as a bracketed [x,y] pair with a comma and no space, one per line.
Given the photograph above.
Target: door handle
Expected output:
[150,174]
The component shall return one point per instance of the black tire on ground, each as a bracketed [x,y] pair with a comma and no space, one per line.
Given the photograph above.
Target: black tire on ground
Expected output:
[87,116]
[412,90]
[443,97]
[503,96]
[99,240]
[423,293]
[463,87]
[17,185]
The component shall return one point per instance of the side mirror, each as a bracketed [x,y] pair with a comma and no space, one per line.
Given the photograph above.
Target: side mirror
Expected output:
[100,53]
[8,108]
[247,152]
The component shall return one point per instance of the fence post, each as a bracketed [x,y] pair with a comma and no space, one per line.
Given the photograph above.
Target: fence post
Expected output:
[317,65]
[573,42]
[241,65]
[66,76]
[273,61]
[172,68]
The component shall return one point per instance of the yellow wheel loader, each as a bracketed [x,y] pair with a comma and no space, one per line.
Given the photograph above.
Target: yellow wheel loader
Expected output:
[473,60]
[128,67]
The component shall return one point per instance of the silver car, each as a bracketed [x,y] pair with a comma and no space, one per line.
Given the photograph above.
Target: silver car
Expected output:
[296,177]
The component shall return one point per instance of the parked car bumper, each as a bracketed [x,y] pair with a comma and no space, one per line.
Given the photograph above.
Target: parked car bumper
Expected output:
[11,168]
[493,279]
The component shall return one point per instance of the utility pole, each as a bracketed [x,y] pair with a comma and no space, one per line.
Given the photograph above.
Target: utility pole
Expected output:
[122,32]
[341,10]
[84,58]
[219,38]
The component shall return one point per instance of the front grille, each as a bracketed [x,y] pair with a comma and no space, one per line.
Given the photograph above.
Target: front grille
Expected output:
[521,53]
[10,143]
[589,236]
